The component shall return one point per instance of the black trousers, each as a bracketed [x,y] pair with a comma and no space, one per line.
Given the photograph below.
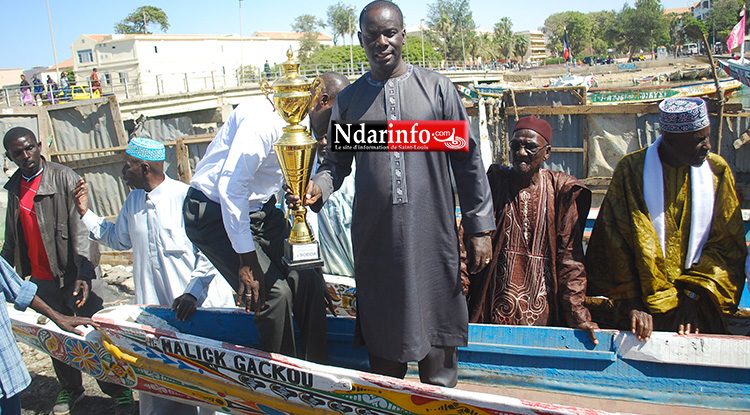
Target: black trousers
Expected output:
[62,301]
[439,367]
[295,295]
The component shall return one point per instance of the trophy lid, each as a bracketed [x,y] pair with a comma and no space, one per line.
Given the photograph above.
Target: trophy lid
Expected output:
[291,76]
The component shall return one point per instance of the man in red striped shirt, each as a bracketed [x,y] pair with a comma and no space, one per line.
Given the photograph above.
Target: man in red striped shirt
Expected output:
[46,239]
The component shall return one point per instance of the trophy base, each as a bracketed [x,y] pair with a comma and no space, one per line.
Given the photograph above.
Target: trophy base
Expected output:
[301,256]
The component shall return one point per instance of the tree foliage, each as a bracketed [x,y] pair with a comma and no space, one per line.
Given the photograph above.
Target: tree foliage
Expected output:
[310,27]
[723,16]
[141,18]
[644,26]
[341,20]
[452,27]
[579,27]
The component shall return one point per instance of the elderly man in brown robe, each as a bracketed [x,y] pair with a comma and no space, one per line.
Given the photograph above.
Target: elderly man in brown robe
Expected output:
[536,276]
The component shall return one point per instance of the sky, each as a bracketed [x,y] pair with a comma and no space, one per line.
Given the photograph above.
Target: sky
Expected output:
[26,40]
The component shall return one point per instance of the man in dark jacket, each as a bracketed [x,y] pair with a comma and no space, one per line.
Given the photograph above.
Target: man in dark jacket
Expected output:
[45,239]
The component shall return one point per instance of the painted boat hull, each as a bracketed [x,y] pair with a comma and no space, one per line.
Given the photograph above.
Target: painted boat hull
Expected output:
[737,70]
[147,349]
[657,93]
[220,374]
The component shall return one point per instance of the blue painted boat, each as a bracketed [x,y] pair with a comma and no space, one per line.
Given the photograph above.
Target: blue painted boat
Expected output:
[213,360]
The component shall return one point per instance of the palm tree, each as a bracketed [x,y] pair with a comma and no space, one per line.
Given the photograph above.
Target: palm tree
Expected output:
[444,26]
[520,47]
[504,37]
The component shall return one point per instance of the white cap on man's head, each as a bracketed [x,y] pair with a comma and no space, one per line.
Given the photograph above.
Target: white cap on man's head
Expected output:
[683,115]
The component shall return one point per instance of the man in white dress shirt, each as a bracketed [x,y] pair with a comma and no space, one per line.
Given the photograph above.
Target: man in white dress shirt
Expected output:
[232,203]
[166,265]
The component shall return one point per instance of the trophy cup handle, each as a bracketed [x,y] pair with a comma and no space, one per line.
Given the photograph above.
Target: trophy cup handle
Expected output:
[317,88]
[266,89]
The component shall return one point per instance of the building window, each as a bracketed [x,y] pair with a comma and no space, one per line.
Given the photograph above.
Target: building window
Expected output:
[123,77]
[85,56]
[107,78]
[155,49]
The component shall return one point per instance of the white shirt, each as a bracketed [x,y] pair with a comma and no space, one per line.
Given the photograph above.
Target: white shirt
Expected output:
[240,170]
[165,262]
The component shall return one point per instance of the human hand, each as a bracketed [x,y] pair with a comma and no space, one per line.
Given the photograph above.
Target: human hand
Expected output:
[184,306]
[686,315]
[69,323]
[80,196]
[641,324]
[252,291]
[479,252]
[314,193]
[590,327]
[465,284]
[81,292]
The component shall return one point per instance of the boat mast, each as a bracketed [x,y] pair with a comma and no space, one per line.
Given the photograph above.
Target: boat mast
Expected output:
[742,46]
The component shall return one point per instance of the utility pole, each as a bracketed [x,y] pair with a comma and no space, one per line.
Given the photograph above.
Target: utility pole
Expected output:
[421,34]
[242,52]
[54,50]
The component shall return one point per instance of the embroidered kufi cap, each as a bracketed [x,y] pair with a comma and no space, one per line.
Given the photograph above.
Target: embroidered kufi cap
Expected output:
[145,149]
[683,115]
[534,123]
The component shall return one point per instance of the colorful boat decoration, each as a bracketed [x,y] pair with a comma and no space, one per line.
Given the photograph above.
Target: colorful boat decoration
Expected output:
[468,91]
[211,361]
[142,348]
[491,90]
[657,93]
[737,69]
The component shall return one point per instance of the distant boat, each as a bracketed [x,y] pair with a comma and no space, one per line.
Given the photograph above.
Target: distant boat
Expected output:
[737,69]
[468,91]
[657,93]
[491,90]
[689,74]
[574,80]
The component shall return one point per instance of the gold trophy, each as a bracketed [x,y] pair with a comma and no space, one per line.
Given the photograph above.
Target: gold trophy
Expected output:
[296,149]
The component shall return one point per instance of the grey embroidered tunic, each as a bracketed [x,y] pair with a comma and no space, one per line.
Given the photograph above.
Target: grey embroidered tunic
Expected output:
[404,233]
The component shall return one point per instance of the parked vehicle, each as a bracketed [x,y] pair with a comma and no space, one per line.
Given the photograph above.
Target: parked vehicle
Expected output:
[690,49]
[77,92]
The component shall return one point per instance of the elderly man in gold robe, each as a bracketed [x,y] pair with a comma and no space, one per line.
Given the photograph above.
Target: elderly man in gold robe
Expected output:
[668,245]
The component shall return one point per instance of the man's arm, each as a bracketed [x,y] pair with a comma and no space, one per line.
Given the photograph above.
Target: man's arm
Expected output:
[9,244]
[473,188]
[81,244]
[114,235]
[251,145]
[720,271]
[197,289]
[572,206]
[332,172]
[610,261]
[23,294]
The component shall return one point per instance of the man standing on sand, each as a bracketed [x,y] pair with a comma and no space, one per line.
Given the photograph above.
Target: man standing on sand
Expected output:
[45,238]
[167,268]
[404,232]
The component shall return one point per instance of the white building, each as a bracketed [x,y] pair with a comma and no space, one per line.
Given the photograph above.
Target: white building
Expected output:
[139,64]
[537,51]
[701,9]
